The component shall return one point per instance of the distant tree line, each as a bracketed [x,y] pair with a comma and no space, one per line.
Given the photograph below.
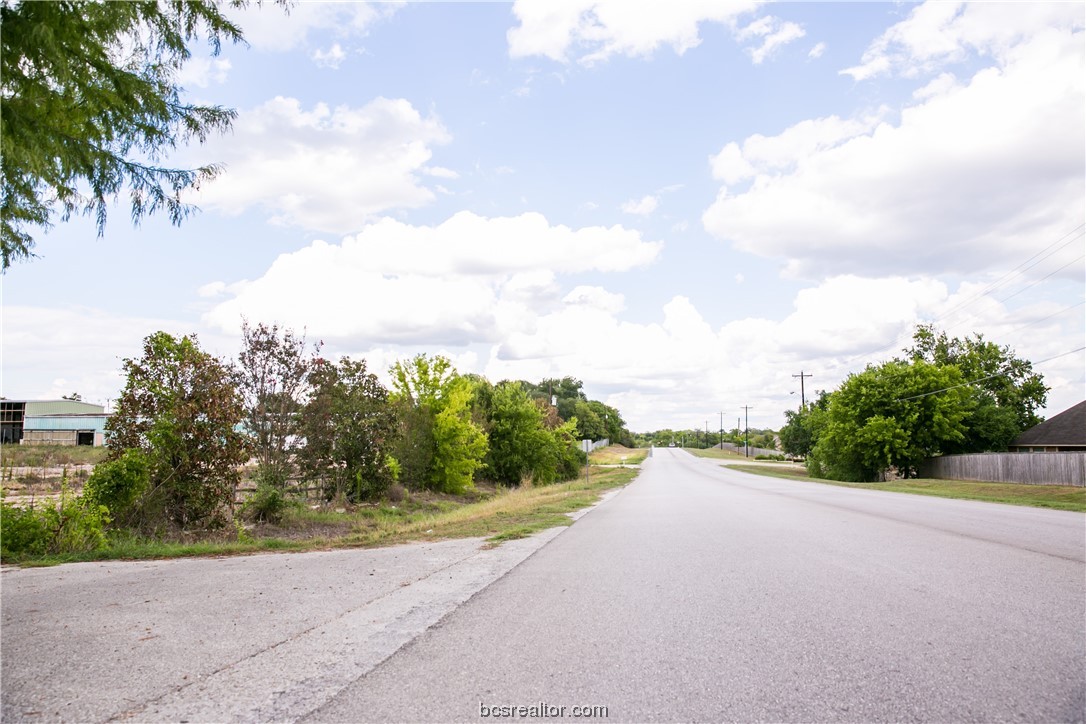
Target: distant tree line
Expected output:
[186,422]
[695,438]
[944,396]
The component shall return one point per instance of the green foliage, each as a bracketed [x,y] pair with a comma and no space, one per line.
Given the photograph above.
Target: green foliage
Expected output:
[522,445]
[590,425]
[119,484]
[459,445]
[267,504]
[272,377]
[442,443]
[90,105]
[871,426]
[803,426]
[73,525]
[180,407]
[1007,392]
[949,396]
[422,381]
[414,444]
[349,426]
[595,420]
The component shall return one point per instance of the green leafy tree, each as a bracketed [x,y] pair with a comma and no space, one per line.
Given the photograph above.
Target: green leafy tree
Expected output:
[414,446]
[885,418]
[273,376]
[349,428]
[613,424]
[521,443]
[460,446]
[590,426]
[1006,392]
[800,433]
[442,403]
[567,390]
[180,407]
[90,106]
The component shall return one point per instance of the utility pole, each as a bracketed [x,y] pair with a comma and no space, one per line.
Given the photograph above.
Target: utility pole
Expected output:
[721,429]
[802,394]
[746,431]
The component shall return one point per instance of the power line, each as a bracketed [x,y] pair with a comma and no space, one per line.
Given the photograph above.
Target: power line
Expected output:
[1077,231]
[1043,319]
[982,379]
[1052,248]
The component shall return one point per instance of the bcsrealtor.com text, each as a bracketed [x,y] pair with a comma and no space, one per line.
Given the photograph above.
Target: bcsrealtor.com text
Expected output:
[540,710]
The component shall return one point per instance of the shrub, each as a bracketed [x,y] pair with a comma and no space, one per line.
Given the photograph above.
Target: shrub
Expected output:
[267,504]
[119,484]
[72,526]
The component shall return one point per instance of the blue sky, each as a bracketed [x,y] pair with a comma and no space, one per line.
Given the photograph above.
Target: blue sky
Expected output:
[681,204]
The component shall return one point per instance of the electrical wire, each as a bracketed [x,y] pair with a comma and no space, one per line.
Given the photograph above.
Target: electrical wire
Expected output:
[982,379]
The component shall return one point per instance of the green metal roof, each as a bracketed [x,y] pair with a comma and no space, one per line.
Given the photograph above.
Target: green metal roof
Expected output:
[62,407]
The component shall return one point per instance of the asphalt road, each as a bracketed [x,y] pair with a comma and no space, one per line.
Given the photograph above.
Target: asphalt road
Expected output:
[702,594]
[695,593]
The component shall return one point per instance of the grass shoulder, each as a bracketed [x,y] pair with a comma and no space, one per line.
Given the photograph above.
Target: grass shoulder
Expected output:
[618,455]
[1059,497]
[498,514]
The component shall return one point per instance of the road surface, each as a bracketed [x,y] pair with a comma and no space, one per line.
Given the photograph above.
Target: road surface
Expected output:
[696,593]
[705,594]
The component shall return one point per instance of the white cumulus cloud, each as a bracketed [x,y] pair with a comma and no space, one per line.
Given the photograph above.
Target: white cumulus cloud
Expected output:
[327,169]
[641,207]
[268,27]
[773,34]
[200,72]
[331,58]
[973,174]
[937,33]
[470,279]
[595,30]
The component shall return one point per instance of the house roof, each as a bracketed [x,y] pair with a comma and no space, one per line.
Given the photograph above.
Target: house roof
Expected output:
[1066,428]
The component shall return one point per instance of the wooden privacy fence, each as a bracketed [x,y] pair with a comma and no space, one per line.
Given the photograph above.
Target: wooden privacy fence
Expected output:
[1055,468]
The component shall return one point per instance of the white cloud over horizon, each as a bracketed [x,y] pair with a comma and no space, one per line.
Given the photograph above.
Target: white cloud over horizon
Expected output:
[656,372]
[324,168]
[392,282]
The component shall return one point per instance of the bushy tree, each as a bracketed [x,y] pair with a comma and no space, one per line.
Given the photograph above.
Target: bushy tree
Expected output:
[273,379]
[414,446]
[883,418]
[801,431]
[119,484]
[438,398]
[460,446]
[521,443]
[590,426]
[181,408]
[90,106]
[349,428]
[1006,392]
